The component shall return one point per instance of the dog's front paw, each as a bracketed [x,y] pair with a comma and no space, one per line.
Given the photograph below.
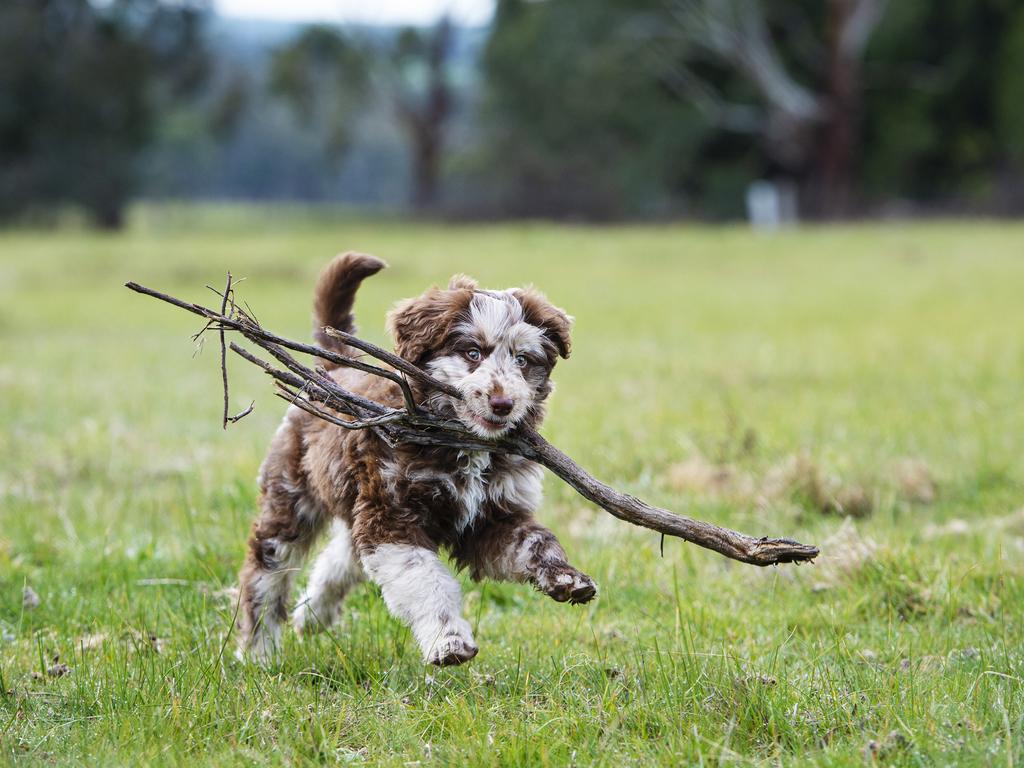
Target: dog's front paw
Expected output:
[446,642]
[307,621]
[452,650]
[566,584]
[262,649]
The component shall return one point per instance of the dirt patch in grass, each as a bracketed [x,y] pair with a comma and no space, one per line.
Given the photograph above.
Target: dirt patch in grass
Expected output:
[914,480]
[843,554]
[797,479]
[802,480]
[698,475]
[1011,526]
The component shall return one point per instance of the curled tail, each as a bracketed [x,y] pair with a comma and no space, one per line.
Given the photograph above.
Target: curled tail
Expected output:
[334,295]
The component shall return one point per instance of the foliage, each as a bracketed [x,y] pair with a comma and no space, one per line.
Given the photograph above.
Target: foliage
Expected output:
[584,129]
[418,74]
[942,119]
[329,78]
[80,90]
[324,76]
[599,110]
[627,107]
[125,506]
[1009,86]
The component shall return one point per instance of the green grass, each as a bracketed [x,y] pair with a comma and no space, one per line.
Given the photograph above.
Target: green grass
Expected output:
[848,347]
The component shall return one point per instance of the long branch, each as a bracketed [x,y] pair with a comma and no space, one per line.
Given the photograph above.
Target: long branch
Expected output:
[725,541]
[304,386]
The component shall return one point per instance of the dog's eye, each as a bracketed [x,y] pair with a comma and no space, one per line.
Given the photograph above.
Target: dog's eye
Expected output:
[521,361]
[473,354]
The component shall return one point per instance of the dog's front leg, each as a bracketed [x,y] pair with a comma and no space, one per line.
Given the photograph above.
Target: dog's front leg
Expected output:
[518,548]
[421,591]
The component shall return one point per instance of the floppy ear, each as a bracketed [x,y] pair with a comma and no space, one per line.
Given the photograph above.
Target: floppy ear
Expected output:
[555,323]
[421,324]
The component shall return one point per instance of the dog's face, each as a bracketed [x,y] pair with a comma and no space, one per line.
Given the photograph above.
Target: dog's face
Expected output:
[497,347]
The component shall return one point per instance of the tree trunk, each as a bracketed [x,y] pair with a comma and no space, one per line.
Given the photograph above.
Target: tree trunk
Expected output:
[108,215]
[426,160]
[841,130]
[426,121]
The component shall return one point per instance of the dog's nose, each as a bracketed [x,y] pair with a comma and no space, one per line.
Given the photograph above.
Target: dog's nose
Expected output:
[500,404]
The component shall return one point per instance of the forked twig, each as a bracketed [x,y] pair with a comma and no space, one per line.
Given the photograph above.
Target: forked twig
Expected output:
[226,297]
[314,391]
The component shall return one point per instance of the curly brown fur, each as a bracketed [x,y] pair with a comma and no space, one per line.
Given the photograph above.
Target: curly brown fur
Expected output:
[392,510]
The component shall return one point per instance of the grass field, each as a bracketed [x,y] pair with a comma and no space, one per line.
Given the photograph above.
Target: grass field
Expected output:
[764,382]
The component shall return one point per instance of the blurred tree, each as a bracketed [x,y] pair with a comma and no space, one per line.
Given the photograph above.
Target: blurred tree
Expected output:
[809,94]
[943,108]
[324,76]
[859,101]
[1009,114]
[80,88]
[228,105]
[1009,84]
[575,124]
[423,99]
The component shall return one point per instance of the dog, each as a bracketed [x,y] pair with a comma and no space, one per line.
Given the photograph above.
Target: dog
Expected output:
[392,510]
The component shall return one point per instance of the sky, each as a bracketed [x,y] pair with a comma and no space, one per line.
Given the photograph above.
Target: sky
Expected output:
[416,12]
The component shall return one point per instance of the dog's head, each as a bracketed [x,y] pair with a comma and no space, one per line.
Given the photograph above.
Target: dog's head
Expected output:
[497,347]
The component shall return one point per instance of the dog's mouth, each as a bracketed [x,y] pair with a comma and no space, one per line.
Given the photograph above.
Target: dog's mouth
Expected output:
[490,424]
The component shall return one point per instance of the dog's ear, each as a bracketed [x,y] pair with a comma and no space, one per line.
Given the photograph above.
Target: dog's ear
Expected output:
[462,281]
[555,323]
[421,324]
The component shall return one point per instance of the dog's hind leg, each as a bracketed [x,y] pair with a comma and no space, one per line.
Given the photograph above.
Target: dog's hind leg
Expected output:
[518,548]
[335,573]
[281,538]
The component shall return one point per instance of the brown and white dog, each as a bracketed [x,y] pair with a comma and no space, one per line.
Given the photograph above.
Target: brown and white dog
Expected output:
[391,510]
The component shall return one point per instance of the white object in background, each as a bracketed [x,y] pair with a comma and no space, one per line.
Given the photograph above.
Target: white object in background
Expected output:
[771,204]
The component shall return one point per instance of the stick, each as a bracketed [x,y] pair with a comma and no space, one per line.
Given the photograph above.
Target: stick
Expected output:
[227,296]
[304,387]
[732,544]
[224,351]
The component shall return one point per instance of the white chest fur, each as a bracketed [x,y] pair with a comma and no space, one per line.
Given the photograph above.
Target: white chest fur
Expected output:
[473,488]
[517,484]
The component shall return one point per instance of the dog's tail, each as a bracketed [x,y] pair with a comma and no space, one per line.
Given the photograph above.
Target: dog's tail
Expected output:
[335,293]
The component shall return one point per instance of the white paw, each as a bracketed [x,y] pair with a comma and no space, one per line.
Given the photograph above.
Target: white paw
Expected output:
[446,643]
[309,618]
[452,650]
[262,650]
